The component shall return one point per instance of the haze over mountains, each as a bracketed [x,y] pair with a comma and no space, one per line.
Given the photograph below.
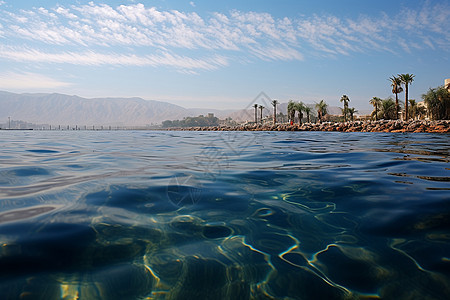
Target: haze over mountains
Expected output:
[60,109]
[64,109]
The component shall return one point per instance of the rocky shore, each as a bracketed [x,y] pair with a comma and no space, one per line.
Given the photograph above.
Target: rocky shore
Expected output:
[442,126]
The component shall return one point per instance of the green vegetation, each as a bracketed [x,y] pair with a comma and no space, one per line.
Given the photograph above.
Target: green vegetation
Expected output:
[256,112]
[200,121]
[345,111]
[406,79]
[384,109]
[299,106]
[275,103]
[396,84]
[321,108]
[388,110]
[436,106]
[415,111]
[261,109]
[376,102]
[438,103]
[291,110]
[308,111]
[351,111]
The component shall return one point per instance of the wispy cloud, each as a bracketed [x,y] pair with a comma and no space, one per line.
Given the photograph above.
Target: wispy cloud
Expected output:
[11,80]
[85,35]
[91,58]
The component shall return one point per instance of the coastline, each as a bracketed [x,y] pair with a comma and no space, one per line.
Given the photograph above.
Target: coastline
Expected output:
[441,126]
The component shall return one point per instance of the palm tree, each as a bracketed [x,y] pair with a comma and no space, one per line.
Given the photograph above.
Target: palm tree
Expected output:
[307,110]
[406,79]
[413,108]
[375,101]
[299,106]
[421,112]
[321,109]
[345,99]
[261,109]
[444,97]
[431,99]
[256,112]
[274,103]
[388,109]
[351,111]
[396,84]
[438,103]
[291,110]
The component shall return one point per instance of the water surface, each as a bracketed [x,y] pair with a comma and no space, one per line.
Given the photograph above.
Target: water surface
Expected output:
[224,215]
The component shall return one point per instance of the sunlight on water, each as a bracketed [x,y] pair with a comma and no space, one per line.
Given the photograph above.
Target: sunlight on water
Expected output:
[232,215]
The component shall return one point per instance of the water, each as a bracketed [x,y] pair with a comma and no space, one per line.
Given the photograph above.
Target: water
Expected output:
[224,215]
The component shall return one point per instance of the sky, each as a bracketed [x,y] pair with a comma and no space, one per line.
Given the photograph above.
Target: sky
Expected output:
[223,54]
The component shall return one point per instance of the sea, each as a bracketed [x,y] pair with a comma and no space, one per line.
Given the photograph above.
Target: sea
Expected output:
[224,215]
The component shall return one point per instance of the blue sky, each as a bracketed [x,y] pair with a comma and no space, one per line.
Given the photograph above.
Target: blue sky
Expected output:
[222,54]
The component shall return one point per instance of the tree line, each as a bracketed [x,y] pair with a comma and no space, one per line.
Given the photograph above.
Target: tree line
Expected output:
[292,109]
[300,108]
[200,121]
[437,102]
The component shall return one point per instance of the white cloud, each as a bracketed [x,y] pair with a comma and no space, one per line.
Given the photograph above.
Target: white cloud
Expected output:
[45,12]
[136,28]
[278,53]
[91,58]
[10,81]
[192,3]
[66,13]
[404,45]
[98,11]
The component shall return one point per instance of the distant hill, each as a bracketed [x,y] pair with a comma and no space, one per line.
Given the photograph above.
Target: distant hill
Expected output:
[60,109]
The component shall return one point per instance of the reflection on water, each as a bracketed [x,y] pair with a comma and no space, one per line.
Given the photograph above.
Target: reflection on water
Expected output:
[236,215]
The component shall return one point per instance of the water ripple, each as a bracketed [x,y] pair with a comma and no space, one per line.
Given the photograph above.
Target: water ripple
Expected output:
[235,215]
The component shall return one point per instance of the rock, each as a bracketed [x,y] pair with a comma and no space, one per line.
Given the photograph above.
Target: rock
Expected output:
[441,126]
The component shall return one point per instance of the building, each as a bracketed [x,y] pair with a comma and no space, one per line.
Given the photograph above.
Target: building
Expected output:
[447,84]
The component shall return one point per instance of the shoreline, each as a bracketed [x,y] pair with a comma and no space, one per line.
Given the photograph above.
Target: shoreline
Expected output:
[441,126]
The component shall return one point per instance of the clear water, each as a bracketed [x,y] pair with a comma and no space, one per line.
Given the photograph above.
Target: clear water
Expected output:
[224,215]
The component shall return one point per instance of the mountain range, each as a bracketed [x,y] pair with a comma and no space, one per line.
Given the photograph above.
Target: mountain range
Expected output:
[60,109]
